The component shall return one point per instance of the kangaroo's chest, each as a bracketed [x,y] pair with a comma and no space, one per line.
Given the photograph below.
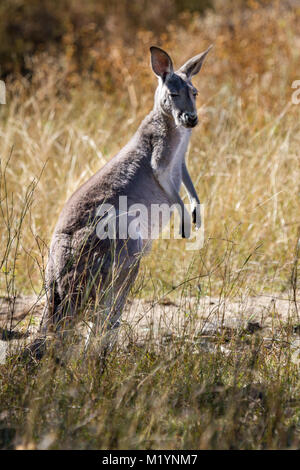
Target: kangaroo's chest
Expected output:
[173,170]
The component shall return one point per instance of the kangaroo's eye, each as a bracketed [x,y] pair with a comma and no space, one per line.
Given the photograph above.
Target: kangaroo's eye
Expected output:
[195,93]
[174,94]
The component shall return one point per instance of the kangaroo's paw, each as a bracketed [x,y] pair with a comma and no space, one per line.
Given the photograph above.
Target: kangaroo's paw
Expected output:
[186,228]
[196,216]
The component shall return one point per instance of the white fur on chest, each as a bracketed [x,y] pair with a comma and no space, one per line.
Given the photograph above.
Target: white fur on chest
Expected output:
[174,170]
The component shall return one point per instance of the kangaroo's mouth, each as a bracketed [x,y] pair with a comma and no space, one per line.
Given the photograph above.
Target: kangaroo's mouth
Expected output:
[187,120]
[190,125]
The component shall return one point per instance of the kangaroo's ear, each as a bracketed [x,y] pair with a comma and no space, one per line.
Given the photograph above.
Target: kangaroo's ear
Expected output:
[161,62]
[193,66]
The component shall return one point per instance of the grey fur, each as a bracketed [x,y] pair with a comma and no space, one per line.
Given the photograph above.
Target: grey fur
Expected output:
[85,271]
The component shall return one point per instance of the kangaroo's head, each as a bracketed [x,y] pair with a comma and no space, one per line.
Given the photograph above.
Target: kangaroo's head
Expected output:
[175,94]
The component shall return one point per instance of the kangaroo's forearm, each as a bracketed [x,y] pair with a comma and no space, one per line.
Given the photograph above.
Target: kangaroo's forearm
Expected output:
[193,196]
[175,199]
[189,186]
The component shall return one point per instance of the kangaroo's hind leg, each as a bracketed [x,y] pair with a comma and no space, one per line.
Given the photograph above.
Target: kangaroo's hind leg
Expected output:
[60,306]
[106,319]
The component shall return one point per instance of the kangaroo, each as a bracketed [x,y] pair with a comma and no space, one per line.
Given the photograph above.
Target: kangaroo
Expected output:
[85,270]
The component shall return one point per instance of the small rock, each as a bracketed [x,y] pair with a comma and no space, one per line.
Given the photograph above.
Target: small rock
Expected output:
[252,327]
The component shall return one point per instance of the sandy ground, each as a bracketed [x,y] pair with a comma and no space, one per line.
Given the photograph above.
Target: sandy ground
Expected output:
[162,321]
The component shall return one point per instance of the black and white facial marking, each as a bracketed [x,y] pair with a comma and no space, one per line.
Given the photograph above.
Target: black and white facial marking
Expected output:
[175,94]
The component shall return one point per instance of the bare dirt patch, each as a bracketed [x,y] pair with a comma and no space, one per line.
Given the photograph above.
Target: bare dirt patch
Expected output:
[199,320]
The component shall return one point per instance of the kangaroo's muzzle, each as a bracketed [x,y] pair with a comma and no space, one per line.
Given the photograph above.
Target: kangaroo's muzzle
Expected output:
[188,119]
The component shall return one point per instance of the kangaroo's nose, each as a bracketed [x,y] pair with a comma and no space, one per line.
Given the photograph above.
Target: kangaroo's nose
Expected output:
[191,118]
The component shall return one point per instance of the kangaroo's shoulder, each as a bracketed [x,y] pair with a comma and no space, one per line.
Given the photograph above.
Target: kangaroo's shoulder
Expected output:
[110,181]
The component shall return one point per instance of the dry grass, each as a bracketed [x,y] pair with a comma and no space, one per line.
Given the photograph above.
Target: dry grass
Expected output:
[58,129]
